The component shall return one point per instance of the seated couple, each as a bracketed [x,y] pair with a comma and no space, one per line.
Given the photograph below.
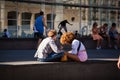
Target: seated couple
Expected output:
[49,52]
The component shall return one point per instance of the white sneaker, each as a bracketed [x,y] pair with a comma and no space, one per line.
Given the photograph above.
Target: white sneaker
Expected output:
[98,48]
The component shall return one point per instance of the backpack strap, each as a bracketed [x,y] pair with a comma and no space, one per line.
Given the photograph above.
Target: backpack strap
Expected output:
[79,46]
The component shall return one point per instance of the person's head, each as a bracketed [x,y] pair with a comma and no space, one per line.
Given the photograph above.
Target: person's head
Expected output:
[52,33]
[67,38]
[105,25]
[65,20]
[95,24]
[76,31]
[41,13]
[5,30]
[73,18]
[113,24]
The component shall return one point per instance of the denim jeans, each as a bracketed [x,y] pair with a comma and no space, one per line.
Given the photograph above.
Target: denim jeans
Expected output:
[52,57]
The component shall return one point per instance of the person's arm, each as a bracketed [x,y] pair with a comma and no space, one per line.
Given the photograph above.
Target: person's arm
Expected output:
[72,56]
[44,22]
[73,53]
[54,47]
[59,25]
[118,63]
[69,23]
[94,31]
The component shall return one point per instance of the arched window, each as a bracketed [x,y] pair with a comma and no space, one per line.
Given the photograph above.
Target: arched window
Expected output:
[25,28]
[26,18]
[12,23]
[36,15]
[12,18]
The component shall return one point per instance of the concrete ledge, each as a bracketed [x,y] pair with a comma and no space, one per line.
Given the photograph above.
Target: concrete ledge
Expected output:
[91,44]
[18,43]
[32,43]
[90,70]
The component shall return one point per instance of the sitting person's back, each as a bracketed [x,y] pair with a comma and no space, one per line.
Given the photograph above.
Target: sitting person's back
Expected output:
[103,31]
[48,50]
[6,34]
[113,32]
[114,35]
[96,36]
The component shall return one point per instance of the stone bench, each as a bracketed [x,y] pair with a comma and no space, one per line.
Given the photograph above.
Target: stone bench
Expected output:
[91,44]
[32,43]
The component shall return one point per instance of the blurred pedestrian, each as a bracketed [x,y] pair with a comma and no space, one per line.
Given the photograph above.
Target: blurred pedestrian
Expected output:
[62,24]
[40,23]
[6,34]
[96,36]
[115,35]
[103,31]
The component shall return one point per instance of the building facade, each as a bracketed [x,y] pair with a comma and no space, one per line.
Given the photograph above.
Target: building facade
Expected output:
[18,16]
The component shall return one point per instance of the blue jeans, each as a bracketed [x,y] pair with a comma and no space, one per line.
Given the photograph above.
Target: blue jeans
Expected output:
[52,57]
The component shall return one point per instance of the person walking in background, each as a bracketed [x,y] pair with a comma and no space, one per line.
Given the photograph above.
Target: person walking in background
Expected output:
[62,24]
[78,52]
[6,34]
[96,36]
[114,35]
[40,23]
[48,50]
[103,31]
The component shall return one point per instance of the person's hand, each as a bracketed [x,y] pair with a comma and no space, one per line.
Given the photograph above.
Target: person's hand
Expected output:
[61,47]
[118,63]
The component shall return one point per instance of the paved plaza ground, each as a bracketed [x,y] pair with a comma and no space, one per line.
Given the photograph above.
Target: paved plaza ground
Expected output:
[21,65]
[28,55]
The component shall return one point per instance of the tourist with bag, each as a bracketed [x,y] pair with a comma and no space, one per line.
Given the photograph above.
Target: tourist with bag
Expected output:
[78,52]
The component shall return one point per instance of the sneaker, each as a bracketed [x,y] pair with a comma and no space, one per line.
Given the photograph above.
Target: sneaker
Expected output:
[98,48]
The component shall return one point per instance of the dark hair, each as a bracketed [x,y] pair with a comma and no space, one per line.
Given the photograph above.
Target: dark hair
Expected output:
[41,13]
[113,24]
[105,24]
[73,18]
[95,24]
[5,30]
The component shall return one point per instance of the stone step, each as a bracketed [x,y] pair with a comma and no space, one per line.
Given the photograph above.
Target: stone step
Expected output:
[90,70]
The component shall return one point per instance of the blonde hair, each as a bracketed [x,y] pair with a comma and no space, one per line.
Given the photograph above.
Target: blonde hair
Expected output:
[67,38]
[52,33]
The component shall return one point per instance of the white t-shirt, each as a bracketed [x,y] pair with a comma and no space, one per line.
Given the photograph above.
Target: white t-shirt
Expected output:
[75,44]
[46,46]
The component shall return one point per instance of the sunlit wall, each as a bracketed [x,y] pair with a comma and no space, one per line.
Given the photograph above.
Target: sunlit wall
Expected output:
[19,16]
